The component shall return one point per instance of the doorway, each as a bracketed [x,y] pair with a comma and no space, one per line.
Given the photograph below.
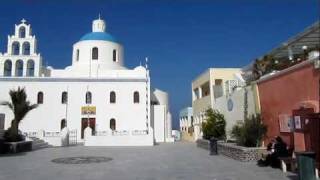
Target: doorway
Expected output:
[84,124]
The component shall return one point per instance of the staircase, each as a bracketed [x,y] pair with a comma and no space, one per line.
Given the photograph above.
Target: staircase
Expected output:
[38,143]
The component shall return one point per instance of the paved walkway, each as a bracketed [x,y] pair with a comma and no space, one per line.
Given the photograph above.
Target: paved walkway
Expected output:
[179,161]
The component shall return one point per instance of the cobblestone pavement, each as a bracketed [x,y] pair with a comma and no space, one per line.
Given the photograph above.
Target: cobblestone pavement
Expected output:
[177,161]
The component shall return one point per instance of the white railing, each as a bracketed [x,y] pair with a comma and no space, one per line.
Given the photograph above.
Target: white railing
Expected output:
[139,132]
[231,85]
[101,133]
[121,133]
[31,134]
[51,134]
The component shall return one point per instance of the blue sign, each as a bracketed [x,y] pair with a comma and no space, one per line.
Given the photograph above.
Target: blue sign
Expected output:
[230,104]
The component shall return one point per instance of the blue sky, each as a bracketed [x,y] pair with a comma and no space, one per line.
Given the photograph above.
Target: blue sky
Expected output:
[181,38]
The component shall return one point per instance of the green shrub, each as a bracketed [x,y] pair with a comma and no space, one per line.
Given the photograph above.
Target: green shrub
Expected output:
[250,132]
[214,126]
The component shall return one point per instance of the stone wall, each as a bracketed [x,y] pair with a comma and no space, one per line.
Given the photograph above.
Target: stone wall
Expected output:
[240,153]
[233,151]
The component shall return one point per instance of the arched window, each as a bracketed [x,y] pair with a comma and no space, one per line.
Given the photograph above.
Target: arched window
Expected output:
[15,48]
[136,98]
[7,69]
[26,48]
[19,68]
[30,68]
[112,124]
[63,124]
[22,32]
[88,98]
[64,98]
[114,55]
[95,53]
[112,97]
[77,55]
[40,98]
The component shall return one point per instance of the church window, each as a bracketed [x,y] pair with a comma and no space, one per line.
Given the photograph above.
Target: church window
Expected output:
[114,55]
[40,98]
[30,68]
[64,98]
[88,98]
[77,55]
[15,48]
[136,98]
[19,68]
[7,68]
[95,53]
[63,124]
[113,124]
[26,48]
[22,32]
[112,97]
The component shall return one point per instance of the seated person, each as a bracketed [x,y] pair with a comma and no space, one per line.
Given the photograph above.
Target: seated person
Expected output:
[276,148]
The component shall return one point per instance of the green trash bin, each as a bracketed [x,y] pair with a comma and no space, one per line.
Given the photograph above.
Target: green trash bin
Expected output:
[306,165]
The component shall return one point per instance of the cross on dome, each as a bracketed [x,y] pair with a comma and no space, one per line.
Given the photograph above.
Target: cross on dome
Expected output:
[23,21]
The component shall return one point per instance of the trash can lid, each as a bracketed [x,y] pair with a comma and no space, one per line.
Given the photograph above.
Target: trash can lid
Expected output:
[305,153]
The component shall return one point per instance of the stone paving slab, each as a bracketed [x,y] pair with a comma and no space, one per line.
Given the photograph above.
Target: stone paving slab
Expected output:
[179,161]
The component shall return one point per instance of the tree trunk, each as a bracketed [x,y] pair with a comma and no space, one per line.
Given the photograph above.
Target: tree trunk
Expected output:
[12,134]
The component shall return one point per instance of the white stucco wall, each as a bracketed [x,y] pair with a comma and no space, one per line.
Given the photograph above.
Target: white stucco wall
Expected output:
[236,113]
[128,115]
[158,114]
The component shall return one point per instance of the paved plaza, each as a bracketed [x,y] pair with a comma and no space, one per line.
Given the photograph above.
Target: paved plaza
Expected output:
[177,161]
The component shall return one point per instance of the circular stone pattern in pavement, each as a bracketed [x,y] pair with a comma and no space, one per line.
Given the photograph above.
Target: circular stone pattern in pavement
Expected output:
[81,160]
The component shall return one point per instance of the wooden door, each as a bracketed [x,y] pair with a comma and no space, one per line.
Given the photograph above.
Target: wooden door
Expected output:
[84,124]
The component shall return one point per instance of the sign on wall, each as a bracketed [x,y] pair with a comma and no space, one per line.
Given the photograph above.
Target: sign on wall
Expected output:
[88,110]
[286,123]
[297,122]
[230,105]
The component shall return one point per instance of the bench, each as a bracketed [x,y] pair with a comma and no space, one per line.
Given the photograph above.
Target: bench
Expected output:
[288,160]
[293,165]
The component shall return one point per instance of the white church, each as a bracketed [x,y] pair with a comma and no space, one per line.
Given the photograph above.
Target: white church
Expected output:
[97,99]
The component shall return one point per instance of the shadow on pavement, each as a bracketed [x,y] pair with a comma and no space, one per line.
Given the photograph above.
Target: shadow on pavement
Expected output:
[293,177]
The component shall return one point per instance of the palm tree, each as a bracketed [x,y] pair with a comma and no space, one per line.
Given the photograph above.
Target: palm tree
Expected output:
[20,107]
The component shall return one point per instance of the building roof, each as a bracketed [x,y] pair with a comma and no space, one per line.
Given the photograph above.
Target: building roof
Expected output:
[310,38]
[102,36]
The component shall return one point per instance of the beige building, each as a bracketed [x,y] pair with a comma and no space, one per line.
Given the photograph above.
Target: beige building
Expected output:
[206,88]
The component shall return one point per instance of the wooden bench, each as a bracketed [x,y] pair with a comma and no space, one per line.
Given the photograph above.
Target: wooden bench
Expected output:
[288,160]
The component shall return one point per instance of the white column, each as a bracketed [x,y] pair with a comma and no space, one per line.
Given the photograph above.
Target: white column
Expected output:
[200,92]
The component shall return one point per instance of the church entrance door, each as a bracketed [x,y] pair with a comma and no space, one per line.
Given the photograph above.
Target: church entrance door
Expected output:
[84,124]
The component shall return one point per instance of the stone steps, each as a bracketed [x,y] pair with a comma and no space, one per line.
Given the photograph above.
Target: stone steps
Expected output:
[39,143]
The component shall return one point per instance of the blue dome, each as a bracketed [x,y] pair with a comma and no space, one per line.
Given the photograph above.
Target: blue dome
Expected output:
[102,36]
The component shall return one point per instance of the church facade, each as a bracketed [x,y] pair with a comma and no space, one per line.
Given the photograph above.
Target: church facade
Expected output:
[97,98]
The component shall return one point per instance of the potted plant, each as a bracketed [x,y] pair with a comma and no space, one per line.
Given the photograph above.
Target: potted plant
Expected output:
[19,105]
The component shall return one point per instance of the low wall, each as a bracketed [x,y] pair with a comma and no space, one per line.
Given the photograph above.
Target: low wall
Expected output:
[53,141]
[233,151]
[203,143]
[240,153]
[125,140]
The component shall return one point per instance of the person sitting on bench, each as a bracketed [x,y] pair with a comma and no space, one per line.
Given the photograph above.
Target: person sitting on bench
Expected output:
[276,148]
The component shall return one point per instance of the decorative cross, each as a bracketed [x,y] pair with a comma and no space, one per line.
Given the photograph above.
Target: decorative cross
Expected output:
[23,21]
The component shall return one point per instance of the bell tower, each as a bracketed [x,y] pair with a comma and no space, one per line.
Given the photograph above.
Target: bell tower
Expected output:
[21,58]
